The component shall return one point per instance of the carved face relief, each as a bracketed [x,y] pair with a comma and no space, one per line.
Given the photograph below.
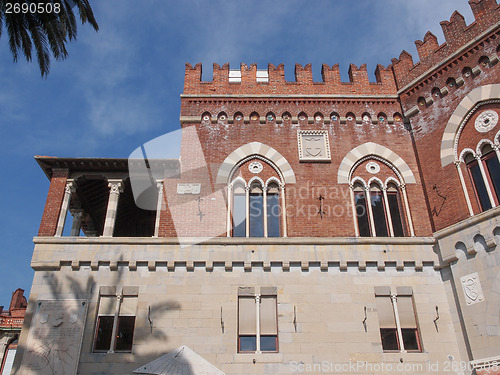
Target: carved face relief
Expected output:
[486,121]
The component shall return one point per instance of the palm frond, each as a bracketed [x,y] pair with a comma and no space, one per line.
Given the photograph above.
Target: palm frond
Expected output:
[47,32]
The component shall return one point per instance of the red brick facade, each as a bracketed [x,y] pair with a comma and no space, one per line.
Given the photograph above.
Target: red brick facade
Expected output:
[53,203]
[406,111]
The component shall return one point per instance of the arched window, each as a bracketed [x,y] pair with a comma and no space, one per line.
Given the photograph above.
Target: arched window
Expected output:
[256,213]
[395,206]
[490,160]
[383,217]
[239,210]
[378,210]
[256,208]
[361,210]
[273,210]
[484,172]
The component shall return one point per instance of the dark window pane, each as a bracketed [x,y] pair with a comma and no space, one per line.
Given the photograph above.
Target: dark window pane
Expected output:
[125,333]
[104,333]
[239,215]
[248,343]
[481,191]
[273,215]
[389,338]
[362,214]
[268,343]
[410,338]
[494,171]
[377,201]
[256,215]
[394,207]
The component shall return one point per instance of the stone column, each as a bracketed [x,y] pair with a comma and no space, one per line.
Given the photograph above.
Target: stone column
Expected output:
[283,209]
[464,187]
[78,216]
[354,213]
[159,185]
[69,189]
[119,298]
[264,207]
[229,213]
[257,322]
[388,211]
[398,325]
[247,211]
[407,208]
[115,188]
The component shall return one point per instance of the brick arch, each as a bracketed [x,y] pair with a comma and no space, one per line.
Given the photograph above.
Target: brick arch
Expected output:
[460,115]
[371,148]
[255,148]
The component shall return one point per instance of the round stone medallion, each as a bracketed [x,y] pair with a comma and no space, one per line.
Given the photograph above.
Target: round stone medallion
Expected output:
[486,121]
[255,167]
[373,167]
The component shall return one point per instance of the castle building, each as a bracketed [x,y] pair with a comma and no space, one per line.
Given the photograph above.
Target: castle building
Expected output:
[306,227]
[11,321]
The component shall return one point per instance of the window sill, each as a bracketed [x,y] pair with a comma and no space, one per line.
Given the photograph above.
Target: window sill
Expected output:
[266,357]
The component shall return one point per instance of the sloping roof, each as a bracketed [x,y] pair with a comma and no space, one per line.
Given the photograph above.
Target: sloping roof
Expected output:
[180,361]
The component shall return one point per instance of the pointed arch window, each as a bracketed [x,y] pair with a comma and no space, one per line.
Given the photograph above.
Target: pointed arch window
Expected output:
[273,210]
[484,172]
[492,169]
[378,210]
[256,209]
[361,210]
[395,206]
[256,201]
[384,215]
[477,180]
[239,210]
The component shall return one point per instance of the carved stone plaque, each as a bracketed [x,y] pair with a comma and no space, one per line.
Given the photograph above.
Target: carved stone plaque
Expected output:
[188,188]
[472,288]
[313,145]
[55,338]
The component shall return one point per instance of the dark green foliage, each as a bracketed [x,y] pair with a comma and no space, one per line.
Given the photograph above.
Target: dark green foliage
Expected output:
[46,31]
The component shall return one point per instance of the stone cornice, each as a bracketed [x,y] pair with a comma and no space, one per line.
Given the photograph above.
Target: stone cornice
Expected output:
[238,241]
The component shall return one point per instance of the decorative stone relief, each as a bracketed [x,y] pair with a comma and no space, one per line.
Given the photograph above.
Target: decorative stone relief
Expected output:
[188,189]
[55,338]
[313,145]
[486,121]
[373,167]
[472,288]
[255,167]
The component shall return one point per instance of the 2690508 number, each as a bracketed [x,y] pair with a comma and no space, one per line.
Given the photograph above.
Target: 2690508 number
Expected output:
[28,7]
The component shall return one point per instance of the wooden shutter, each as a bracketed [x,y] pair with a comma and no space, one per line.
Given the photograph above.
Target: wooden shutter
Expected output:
[107,305]
[128,306]
[247,319]
[385,312]
[268,324]
[406,312]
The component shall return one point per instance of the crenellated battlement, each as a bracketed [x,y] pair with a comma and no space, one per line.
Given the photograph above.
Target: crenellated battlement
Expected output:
[457,34]
[249,80]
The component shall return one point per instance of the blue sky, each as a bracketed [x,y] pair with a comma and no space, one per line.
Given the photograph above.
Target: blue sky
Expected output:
[120,87]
